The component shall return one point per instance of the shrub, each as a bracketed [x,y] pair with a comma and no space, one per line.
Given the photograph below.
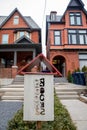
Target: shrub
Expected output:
[84,68]
[69,77]
[62,120]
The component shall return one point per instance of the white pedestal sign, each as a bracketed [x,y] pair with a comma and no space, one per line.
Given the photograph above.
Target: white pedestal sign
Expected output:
[38,97]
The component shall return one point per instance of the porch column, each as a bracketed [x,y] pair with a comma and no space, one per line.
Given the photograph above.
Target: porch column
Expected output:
[15,58]
[14,67]
[34,54]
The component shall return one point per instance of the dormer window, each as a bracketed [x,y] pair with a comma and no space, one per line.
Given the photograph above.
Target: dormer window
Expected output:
[21,34]
[75,18]
[16,19]
[24,33]
[53,15]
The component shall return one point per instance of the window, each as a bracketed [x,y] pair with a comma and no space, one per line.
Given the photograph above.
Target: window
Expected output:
[16,20]
[21,34]
[82,36]
[27,34]
[5,38]
[82,59]
[75,19]
[72,36]
[77,36]
[57,37]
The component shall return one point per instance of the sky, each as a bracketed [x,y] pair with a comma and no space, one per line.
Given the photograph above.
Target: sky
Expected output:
[37,9]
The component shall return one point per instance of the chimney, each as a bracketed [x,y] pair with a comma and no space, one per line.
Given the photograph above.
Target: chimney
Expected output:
[53,15]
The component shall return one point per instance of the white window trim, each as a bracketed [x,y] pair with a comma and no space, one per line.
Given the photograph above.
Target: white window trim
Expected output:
[7,39]
[16,20]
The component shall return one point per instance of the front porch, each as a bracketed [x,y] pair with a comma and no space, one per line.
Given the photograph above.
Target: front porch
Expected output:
[14,56]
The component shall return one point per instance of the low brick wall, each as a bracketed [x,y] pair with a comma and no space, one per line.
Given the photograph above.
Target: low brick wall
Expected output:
[5,72]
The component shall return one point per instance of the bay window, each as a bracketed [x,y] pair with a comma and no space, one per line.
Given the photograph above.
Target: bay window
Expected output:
[77,36]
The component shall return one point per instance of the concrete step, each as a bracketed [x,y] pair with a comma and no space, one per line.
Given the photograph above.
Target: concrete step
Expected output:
[11,90]
[68,97]
[66,93]
[18,80]
[12,98]
[20,93]
[60,80]
[16,86]
[68,90]
[69,87]
[78,91]
[14,91]
[12,94]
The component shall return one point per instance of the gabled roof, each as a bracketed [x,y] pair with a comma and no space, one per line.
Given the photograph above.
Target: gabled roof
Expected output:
[75,4]
[37,61]
[24,39]
[28,20]
[11,14]
[2,19]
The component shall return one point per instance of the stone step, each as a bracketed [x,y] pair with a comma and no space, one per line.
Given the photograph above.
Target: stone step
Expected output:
[66,93]
[68,90]
[12,98]
[67,97]
[16,86]
[11,89]
[60,80]
[18,80]
[79,90]
[14,93]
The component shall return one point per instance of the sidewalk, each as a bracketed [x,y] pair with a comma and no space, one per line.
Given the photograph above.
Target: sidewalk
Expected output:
[76,108]
[78,112]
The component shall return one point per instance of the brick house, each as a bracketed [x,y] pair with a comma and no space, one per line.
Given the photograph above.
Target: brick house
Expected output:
[66,38]
[20,42]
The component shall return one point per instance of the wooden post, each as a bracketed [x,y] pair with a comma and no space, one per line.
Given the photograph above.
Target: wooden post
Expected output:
[38,125]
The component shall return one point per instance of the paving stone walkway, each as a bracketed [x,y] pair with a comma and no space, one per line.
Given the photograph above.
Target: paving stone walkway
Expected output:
[7,111]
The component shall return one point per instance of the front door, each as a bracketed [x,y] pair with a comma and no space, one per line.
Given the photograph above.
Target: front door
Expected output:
[59,63]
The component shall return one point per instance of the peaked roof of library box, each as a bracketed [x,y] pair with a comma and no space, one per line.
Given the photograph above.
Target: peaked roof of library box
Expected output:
[36,62]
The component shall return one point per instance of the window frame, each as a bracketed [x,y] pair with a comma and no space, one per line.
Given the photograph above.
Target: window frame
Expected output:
[75,16]
[16,20]
[17,35]
[21,33]
[78,33]
[5,38]
[57,36]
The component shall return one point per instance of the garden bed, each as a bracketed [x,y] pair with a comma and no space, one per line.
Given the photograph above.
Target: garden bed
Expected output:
[62,120]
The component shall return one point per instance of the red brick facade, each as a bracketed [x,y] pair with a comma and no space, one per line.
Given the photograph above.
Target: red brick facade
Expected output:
[66,53]
[22,43]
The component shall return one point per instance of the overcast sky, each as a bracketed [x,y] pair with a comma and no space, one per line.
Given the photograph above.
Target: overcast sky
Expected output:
[37,9]
[34,8]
